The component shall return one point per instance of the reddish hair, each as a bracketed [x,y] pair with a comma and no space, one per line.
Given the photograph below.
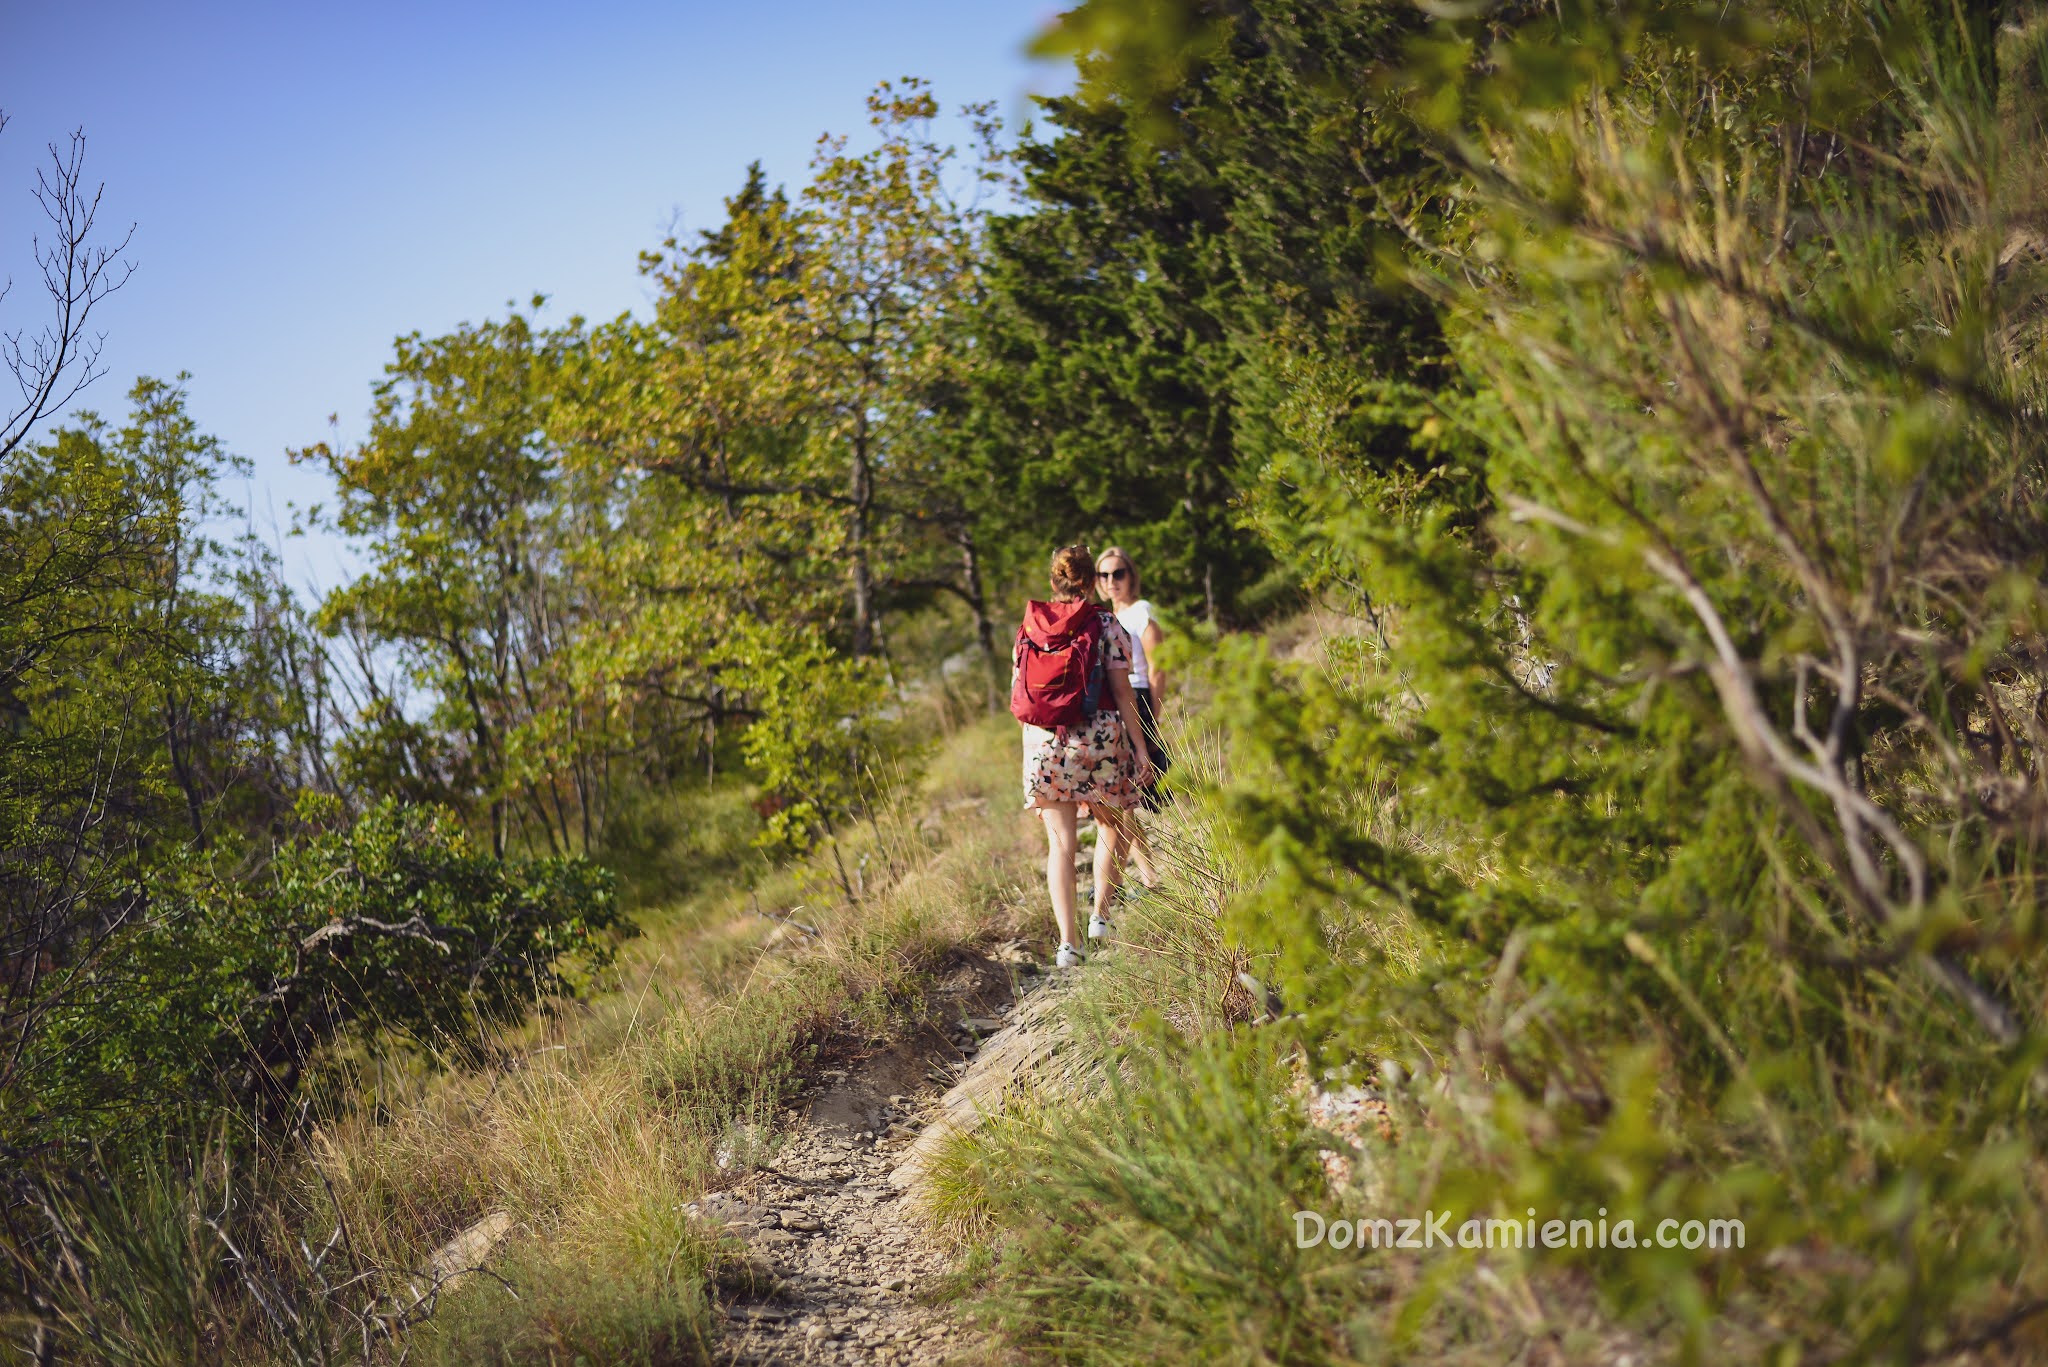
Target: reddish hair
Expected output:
[1073,572]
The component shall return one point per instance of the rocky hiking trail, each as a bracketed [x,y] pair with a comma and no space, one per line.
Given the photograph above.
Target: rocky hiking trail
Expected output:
[838,1266]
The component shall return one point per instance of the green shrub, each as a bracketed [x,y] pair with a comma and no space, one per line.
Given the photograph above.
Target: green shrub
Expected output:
[387,926]
[1674,810]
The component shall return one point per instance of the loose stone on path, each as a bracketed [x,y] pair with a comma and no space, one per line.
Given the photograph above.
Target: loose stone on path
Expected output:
[831,1216]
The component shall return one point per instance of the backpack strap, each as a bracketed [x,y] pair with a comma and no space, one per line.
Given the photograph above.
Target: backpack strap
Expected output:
[1098,663]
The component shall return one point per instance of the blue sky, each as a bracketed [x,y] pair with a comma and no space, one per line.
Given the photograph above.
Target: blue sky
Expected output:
[310,181]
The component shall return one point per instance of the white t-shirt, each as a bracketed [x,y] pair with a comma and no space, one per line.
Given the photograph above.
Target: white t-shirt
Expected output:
[1135,619]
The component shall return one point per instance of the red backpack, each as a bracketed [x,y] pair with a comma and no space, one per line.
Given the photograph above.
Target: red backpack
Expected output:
[1059,668]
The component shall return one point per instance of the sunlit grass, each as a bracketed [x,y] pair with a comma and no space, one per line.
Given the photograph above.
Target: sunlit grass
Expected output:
[596,1127]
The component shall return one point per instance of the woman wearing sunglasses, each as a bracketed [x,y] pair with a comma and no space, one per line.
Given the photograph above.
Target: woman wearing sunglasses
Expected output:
[1116,582]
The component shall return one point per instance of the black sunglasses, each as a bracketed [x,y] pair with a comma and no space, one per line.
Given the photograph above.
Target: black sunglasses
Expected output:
[1114,576]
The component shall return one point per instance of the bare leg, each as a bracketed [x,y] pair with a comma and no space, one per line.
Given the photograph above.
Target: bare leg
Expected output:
[1060,840]
[1113,826]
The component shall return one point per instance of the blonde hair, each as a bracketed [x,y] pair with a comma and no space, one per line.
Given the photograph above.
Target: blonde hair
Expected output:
[1120,553]
[1073,572]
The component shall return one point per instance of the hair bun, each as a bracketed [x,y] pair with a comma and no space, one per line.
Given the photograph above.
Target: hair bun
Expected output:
[1073,571]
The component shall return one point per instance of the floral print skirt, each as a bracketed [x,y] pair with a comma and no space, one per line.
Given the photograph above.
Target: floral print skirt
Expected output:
[1088,763]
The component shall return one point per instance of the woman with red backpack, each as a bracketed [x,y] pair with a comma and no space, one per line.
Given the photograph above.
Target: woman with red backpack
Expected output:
[1071,688]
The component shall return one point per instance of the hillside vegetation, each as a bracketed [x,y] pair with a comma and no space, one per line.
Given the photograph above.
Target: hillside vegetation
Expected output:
[1592,462]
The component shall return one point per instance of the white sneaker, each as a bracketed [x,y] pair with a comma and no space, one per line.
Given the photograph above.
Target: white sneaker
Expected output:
[1097,928]
[1069,957]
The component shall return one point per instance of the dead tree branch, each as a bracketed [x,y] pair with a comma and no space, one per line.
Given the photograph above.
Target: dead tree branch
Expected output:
[51,366]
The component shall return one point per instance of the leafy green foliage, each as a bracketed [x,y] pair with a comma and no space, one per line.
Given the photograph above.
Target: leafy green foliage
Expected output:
[485,552]
[385,927]
[1663,840]
[821,746]
[185,922]
[1656,388]
[134,724]
[1190,225]
[791,383]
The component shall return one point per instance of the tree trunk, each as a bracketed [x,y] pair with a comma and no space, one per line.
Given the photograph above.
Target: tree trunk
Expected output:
[863,495]
[480,729]
[977,603]
[181,768]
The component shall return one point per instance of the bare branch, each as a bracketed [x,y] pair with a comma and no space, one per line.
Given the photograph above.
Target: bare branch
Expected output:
[61,359]
[1829,773]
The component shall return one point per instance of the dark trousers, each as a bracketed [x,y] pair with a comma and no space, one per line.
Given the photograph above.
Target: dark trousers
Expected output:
[1149,720]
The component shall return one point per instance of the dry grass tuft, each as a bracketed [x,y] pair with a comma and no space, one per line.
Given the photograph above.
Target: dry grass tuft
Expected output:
[593,1130]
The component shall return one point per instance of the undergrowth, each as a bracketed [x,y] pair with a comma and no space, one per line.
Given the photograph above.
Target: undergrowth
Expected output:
[584,1134]
[1141,1207]
[675,1083]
